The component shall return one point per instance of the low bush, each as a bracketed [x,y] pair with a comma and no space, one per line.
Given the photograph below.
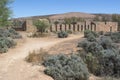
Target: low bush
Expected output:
[107,34]
[10,33]
[92,47]
[6,43]
[63,67]
[101,33]
[91,37]
[6,39]
[104,56]
[62,34]
[87,32]
[115,37]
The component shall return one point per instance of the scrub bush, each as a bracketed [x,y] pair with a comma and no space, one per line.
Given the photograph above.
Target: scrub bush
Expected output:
[63,67]
[87,32]
[6,43]
[6,39]
[62,34]
[104,56]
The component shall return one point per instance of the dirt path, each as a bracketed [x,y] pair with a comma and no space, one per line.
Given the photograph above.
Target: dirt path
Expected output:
[13,65]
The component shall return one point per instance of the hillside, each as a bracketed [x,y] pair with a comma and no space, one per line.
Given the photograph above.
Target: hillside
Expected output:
[61,16]
[72,14]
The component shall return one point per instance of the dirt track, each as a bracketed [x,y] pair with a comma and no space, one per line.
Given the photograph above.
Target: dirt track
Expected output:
[13,65]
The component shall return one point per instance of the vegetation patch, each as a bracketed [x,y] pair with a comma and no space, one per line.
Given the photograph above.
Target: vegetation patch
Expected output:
[63,67]
[103,54]
[37,56]
[88,33]
[62,34]
[6,39]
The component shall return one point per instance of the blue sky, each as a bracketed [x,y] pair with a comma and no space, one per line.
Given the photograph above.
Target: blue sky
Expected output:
[24,8]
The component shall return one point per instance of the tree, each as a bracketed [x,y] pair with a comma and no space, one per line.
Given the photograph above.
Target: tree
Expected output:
[5,12]
[41,25]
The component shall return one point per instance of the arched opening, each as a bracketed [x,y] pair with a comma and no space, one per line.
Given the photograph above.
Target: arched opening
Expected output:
[110,29]
[56,27]
[65,27]
[93,26]
[50,28]
[81,27]
[69,27]
[88,27]
[78,27]
[60,27]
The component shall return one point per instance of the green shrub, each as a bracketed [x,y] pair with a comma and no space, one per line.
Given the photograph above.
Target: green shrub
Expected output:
[63,67]
[116,37]
[6,43]
[106,42]
[6,39]
[107,34]
[92,47]
[87,32]
[62,34]
[91,37]
[92,62]
[103,55]
[9,33]
[101,33]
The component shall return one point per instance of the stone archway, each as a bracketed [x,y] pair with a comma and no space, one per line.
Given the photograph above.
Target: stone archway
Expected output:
[56,26]
[78,27]
[60,27]
[81,27]
[93,26]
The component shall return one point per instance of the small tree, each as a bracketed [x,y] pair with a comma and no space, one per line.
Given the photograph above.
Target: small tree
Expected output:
[5,12]
[41,25]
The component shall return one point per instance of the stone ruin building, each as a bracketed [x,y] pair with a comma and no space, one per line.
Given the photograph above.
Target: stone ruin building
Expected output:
[28,26]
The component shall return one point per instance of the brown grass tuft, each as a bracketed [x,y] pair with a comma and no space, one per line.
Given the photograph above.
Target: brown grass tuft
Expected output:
[37,56]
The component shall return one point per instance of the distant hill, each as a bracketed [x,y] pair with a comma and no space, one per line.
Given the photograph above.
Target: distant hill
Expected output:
[86,16]
[61,16]
[72,14]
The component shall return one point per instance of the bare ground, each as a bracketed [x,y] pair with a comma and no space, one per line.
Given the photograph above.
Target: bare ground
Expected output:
[13,65]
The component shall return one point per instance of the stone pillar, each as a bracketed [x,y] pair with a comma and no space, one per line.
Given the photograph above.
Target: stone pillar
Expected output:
[53,27]
[76,27]
[71,27]
[30,27]
[67,27]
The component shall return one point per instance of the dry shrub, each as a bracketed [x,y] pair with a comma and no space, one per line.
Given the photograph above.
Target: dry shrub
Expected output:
[37,56]
[38,35]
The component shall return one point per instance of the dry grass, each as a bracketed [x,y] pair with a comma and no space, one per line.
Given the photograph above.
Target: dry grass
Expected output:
[38,35]
[37,56]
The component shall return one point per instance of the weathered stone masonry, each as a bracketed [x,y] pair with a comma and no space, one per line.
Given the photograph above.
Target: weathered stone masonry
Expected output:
[81,26]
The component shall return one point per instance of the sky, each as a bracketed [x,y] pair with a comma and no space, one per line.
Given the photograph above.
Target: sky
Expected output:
[25,8]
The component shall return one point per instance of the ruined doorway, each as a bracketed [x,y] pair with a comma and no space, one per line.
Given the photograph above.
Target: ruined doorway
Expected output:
[93,26]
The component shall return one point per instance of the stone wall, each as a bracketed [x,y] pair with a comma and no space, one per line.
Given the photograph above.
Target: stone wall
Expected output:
[29,26]
[94,26]
[81,26]
[107,26]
